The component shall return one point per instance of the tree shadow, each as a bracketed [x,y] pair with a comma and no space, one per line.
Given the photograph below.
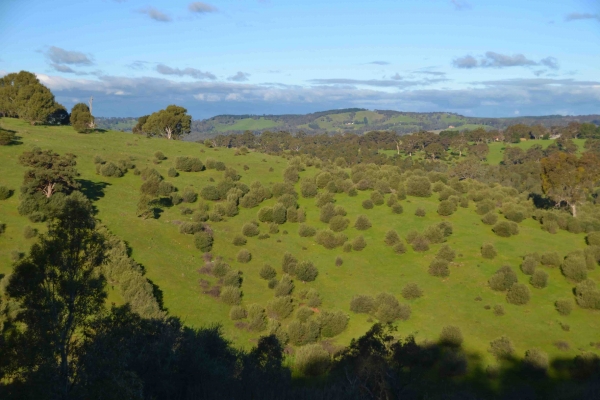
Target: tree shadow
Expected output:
[93,190]
[158,294]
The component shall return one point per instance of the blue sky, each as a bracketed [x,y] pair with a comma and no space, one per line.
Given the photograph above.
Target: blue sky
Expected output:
[473,57]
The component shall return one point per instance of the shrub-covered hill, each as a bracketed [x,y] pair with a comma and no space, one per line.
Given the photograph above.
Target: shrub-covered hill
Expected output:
[464,291]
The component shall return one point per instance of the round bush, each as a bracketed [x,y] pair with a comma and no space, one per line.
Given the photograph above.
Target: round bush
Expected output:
[189,164]
[439,267]
[488,251]
[392,200]
[279,214]
[244,256]
[377,198]
[564,306]
[221,269]
[505,229]
[285,286]
[5,193]
[420,212]
[368,204]
[490,218]
[329,239]
[593,239]
[306,271]
[503,279]
[172,173]
[112,170]
[231,295]
[338,261]
[332,323]
[392,238]
[418,186]
[210,193]
[257,318]
[434,234]
[362,223]
[498,310]
[362,304]
[338,223]
[233,278]
[446,253]
[399,248]
[239,240]
[536,361]
[304,313]
[29,232]
[539,279]
[411,291]
[529,265]
[574,267]
[451,336]
[249,229]
[446,207]
[289,263]
[203,241]
[420,244]
[397,208]
[308,189]
[265,214]
[267,272]
[550,259]
[359,243]
[306,231]
[160,156]
[327,212]
[280,307]
[312,360]
[518,294]
[237,312]
[502,348]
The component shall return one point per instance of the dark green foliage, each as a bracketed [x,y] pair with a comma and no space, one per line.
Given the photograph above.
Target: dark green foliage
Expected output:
[237,312]
[439,267]
[324,198]
[265,214]
[2,227]
[339,261]
[231,295]
[359,243]
[159,155]
[501,348]
[338,223]
[29,232]
[150,174]
[593,239]
[110,169]
[188,195]
[451,336]
[529,265]
[5,193]
[190,228]
[210,193]
[506,228]
[539,279]
[171,123]
[306,271]
[392,238]
[332,323]
[280,307]
[267,272]
[257,318]
[564,307]
[272,283]
[249,229]
[203,241]
[377,198]
[420,244]
[446,207]
[81,118]
[292,214]
[288,200]
[387,309]
[362,223]
[446,253]
[347,247]
[488,251]
[434,234]
[518,294]
[304,313]
[392,200]
[397,208]
[6,137]
[285,286]
[464,202]
[327,212]
[574,266]
[329,239]
[239,240]
[189,164]
[587,294]
[289,263]
[306,231]
[485,206]
[418,186]
[362,304]
[367,204]
[503,279]
[164,188]
[220,269]
[312,360]
[244,256]
[279,214]
[411,291]
[490,218]
[420,212]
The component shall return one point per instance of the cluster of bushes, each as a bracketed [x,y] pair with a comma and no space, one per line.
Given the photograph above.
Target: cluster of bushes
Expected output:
[111,169]
[330,239]
[506,228]
[189,164]
[393,239]
[431,235]
[304,270]
[225,190]
[587,294]
[384,307]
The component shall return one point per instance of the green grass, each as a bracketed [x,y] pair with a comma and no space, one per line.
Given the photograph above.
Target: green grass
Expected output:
[497,148]
[171,261]
[247,124]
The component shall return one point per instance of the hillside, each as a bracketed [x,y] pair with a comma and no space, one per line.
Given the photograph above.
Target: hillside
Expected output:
[172,262]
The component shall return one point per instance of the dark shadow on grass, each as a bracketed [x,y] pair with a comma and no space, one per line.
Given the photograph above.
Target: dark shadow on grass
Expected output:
[158,294]
[93,190]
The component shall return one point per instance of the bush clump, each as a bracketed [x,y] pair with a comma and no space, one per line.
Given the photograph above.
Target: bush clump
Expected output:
[539,279]
[203,241]
[412,291]
[329,239]
[244,256]
[490,218]
[312,360]
[280,307]
[551,259]
[29,232]
[338,223]
[285,286]
[231,295]
[536,361]
[5,193]
[362,304]
[257,318]
[446,253]
[501,348]
[367,204]
[503,279]
[439,267]
[564,306]
[306,271]
[593,238]
[362,223]
[397,208]
[306,231]
[506,228]
[488,251]
[399,248]
[446,207]
[237,312]
[392,238]
[418,186]
[249,229]
[239,240]
[420,244]
[189,164]
[359,243]
[420,212]
[267,272]
[574,266]
[518,294]
[451,336]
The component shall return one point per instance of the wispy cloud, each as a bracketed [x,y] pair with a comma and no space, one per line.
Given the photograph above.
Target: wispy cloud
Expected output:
[62,56]
[379,62]
[497,60]
[138,65]
[395,81]
[460,4]
[239,77]
[434,73]
[155,14]
[580,16]
[396,77]
[191,72]
[201,8]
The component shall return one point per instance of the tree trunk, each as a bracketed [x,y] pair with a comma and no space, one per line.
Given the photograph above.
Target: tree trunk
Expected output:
[574,210]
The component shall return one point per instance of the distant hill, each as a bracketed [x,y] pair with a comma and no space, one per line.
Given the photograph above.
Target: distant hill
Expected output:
[116,124]
[359,120]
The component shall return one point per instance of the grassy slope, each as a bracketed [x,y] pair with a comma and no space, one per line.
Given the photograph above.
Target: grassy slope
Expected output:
[171,260]
[247,124]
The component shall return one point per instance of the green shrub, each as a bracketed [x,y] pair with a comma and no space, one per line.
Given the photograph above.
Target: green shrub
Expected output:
[237,312]
[485,206]
[304,313]
[215,216]
[420,212]
[327,213]
[446,207]
[418,186]
[505,228]
[362,223]
[564,306]
[464,202]
[244,256]
[539,279]
[188,164]
[551,259]
[280,307]
[574,266]
[388,309]
[392,200]
[272,283]
[29,232]
[267,272]
[446,253]
[203,241]
[257,318]
[231,295]
[488,251]
[420,244]
[188,195]
[172,173]
[239,240]
[308,189]
[518,294]
[190,228]
[362,304]
[439,267]
[5,193]
[400,248]
[306,271]
[411,291]
[536,361]
[490,218]
[338,223]
[249,229]
[332,323]
[312,360]
[434,234]
[289,263]
[233,278]
[503,279]
[279,214]
[593,239]
[312,298]
[377,198]
[368,204]
[502,348]
[160,156]
[392,238]
[306,231]
[359,243]
[397,208]
[587,295]
[446,228]
[498,310]
[285,286]
[221,269]
[210,193]
[177,199]
[529,265]
[329,239]
[6,137]
[451,336]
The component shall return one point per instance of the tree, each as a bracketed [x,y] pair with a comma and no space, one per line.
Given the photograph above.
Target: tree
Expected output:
[480,151]
[59,288]
[81,117]
[565,178]
[459,143]
[50,172]
[434,150]
[172,123]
